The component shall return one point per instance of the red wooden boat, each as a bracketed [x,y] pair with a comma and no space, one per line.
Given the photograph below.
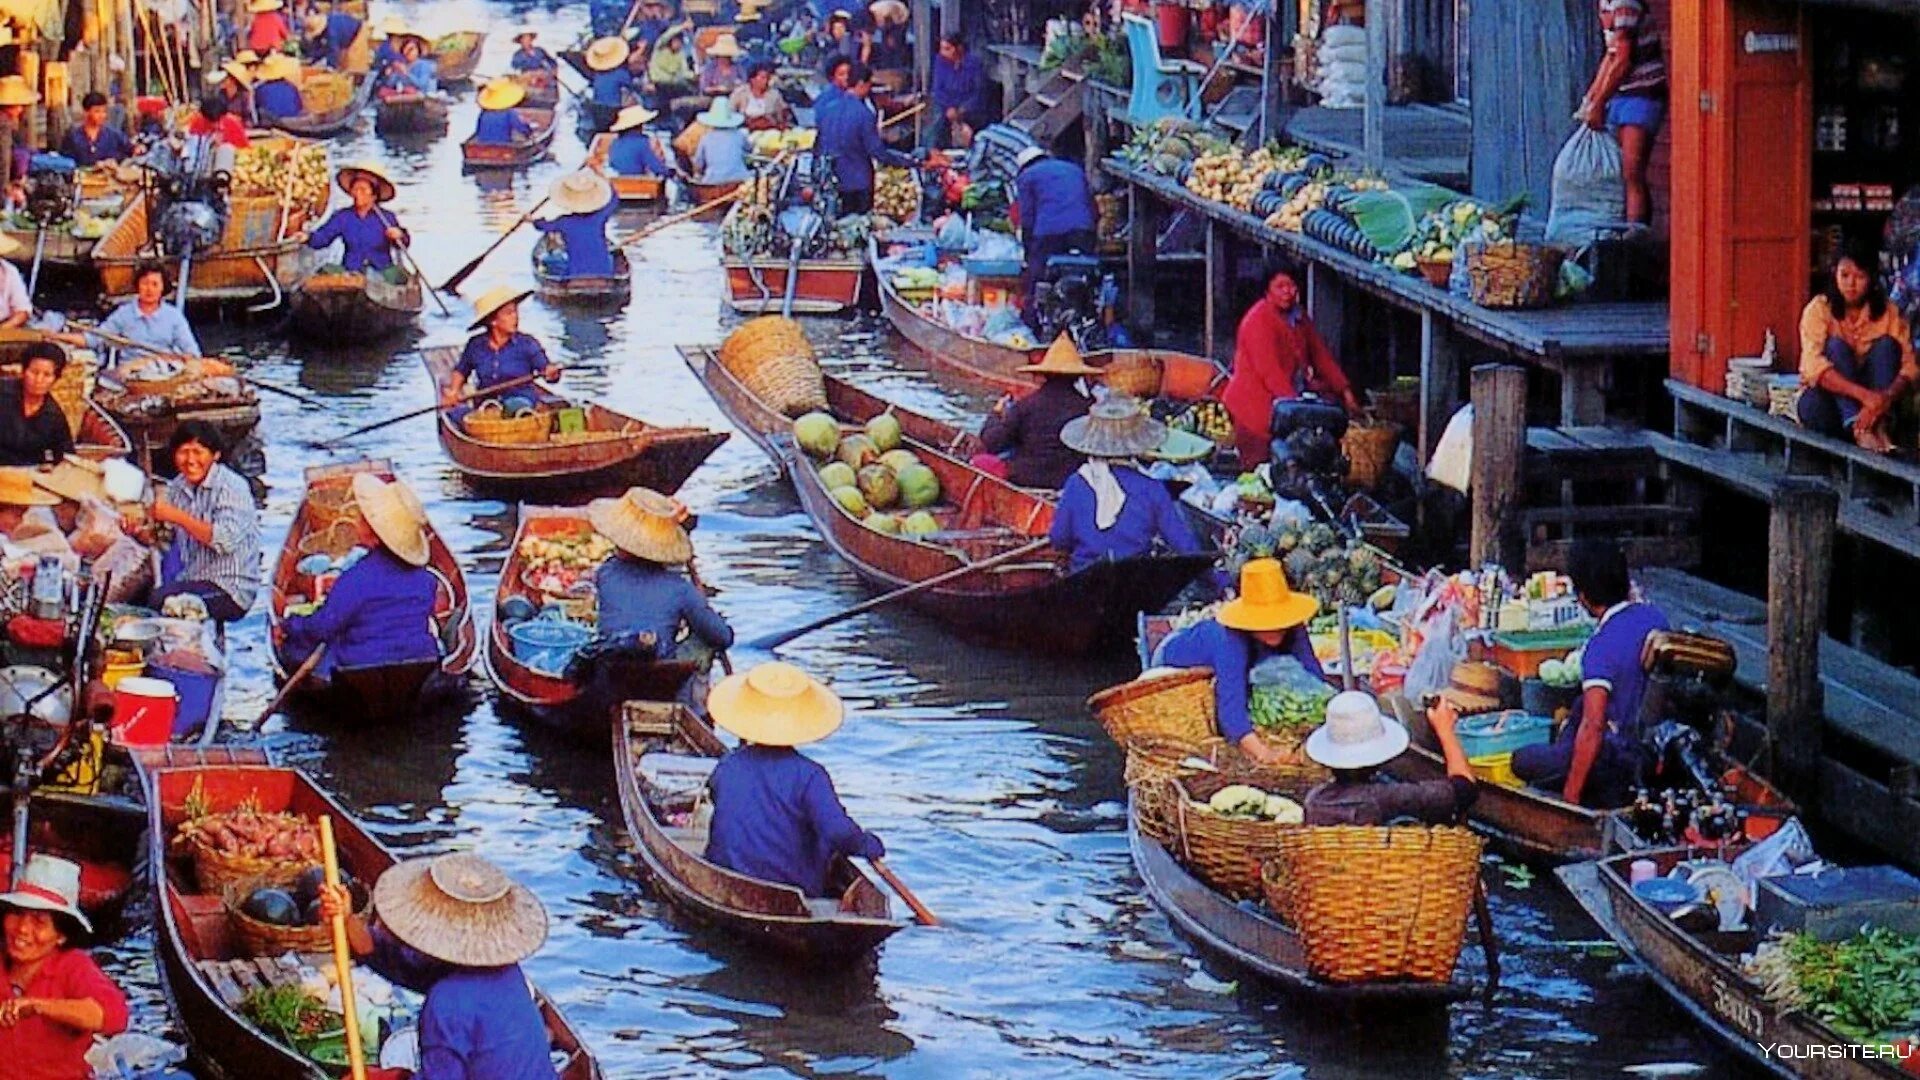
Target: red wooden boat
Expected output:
[369,695]
[201,967]
[824,286]
[513,155]
[1033,604]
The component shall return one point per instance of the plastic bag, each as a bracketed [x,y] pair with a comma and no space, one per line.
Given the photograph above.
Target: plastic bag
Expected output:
[96,529]
[1589,189]
[127,568]
[1452,462]
[1283,696]
[132,1054]
[1442,646]
[1788,849]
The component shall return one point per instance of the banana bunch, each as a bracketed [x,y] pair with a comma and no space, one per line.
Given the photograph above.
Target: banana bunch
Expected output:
[896,194]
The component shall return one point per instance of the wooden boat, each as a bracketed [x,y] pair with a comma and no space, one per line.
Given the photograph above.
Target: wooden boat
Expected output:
[329,122]
[824,286]
[1702,974]
[149,429]
[614,288]
[655,745]
[369,694]
[542,87]
[226,272]
[346,309]
[631,190]
[701,194]
[479,155]
[96,434]
[549,696]
[200,968]
[455,56]
[409,113]
[615,451]
[1034,604]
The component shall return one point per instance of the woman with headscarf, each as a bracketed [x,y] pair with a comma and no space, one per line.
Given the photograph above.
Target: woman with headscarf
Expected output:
[584,203]
[1278,356]
[367,232]
[1022,437]
[33,428]
[1109,509]
[215,553]
[60,998]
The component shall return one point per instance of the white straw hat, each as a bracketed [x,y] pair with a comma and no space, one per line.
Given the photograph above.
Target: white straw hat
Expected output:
[1356,735]
[461,909]
[395,516]
[52,884]
[606,53]
[645,524]
[493,300]
[580,192]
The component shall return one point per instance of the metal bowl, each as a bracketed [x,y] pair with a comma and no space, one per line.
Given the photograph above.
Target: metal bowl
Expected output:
[139,635]
[24,683]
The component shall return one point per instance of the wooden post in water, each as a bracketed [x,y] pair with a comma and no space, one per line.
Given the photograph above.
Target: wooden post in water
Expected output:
[1373,124]
[1219,291]
[1499,451]
[1799,567]
[1143,255]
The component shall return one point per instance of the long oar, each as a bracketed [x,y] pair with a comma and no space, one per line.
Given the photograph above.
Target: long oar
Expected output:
[452,284]
[406,256]
[1489,946]
[775,640]
[920,913]
[342,956]
[293,681]
[684,215]
[497,388]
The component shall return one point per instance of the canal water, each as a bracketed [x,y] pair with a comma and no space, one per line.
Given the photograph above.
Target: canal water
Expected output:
[999,799]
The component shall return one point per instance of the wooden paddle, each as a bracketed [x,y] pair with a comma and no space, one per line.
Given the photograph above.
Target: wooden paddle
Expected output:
[920,913]
[1483,917]
[342,955]
[452,284]
[684,215]
[769,642]
[510,384]
[294,680]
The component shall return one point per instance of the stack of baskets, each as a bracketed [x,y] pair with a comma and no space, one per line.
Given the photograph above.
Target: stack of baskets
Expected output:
[1369,445]
[773,359]
[1227,852]
[74,386]
[1512,273]
[489,423]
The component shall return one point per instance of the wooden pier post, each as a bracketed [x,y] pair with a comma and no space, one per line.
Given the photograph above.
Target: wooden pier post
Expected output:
[1219,290]
[1143,256]
[1799,568]
[1373,123]
[1499,452]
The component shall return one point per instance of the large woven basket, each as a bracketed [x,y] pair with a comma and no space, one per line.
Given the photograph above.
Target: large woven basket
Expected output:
[1512,274]
[773,359]
[489,423]
[258,938]
[1152,766]
[1227,852]
[331,503]
[333,540]
[1376,904]
[1369,447]
[216,870]
[1175,707]
[1137,375]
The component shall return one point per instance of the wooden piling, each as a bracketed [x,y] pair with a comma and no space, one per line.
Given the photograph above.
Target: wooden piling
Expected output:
[1219,318]
[1800,565]
[1143,256]
[1499,452]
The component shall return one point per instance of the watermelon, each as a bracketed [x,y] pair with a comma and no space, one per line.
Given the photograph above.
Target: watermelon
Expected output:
[851,500]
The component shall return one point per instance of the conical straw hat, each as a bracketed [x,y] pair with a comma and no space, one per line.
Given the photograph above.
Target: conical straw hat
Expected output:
[581,192]
[493,300]
[1062,359]
[775,704]
[1266,602]
[394,517]
[383,189]
[645,524]
[606,53]
[460,909]
[501,94]
[631,117]
[1117,427]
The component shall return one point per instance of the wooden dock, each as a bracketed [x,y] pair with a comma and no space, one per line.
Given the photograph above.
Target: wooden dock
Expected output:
[1426,142]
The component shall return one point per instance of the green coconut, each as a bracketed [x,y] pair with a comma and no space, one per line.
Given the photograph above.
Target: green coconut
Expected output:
[857,451]
[883,523]
[837,474]
[818,434]
[850,500]
[919,486]
[919,524]
[899,459]
[876,482]
[884,430]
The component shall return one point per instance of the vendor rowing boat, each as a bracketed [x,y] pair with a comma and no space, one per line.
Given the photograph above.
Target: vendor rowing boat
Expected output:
[512,155]
[334,113]
[352,308]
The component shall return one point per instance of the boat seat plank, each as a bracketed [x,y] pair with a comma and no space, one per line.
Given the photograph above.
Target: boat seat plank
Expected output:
[823,907]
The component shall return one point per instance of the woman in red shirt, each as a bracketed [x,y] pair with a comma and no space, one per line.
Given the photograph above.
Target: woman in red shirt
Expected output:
[56,999]
[1278,356]
[269,29]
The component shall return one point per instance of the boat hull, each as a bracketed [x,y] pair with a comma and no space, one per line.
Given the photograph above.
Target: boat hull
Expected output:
[340,314]
[334,121]
[479,155]
[409,114]
[823,287]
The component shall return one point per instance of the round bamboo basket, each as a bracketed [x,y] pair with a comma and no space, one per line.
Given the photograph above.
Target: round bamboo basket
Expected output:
[216,870]
[772,357]
[1134,374]
[1512,274]
[1152,766]
[489,423]
[258,938]
[333,541]
[1176,707]
[331,504]
[1369,446]
[1227,852]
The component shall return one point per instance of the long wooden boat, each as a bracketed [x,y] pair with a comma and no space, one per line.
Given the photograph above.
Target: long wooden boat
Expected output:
[226,272]
[320,125]
[1702,974]
[201,969]
[513,155]
[149,429]
[1033,605]
[631,190]
[702,194]
[455,56]
[369,695]
[409,113]
[347,309]
[656,744]
[823,286]
[542,88]
[612,288]
[550,696]
[616,451]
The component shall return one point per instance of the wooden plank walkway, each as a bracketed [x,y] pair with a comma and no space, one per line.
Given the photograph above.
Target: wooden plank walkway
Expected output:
[1422,141]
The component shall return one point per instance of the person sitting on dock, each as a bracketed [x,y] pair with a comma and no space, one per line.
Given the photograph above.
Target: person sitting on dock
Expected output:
[721,157]
[499,353]
[1266,619]
[33,427]
[960,89]
[1022,436]
[414,73]
[850,138]
[720,75]
[611,86]
[1109,509]
[1856,356]
[1054,208]
[274,96]
[329,35]
[586,203]
[631,152]
[268,29]
[776,816]
[215,553]
[760,101]
[93,141]
[380,611]
[1598,755]
[1356,740]
[530,58]
[146,320]
[1277,356]
[366,231]
[456,928]
[500,124]
[60,998]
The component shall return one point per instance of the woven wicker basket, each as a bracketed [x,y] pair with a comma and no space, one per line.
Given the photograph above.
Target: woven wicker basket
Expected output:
[1137,375]
[1512,274]
[489,423]
[773,359]
[1227,852]
[330,504]
[258,938]
[216,870]
[1369,446]
[1375,904]
[333,540]
[72,389]
[1176,707]
[1152,766]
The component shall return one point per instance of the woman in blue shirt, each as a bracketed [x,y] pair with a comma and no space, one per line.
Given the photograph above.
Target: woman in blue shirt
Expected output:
[612,83]
[499,353]
[499,124]
[721,157]
[776,816]
[367,232]
[586,203]
[632,153]
[274,97]
[1108,508]
[643,599]
[456,928]
[414,72]
[530,57]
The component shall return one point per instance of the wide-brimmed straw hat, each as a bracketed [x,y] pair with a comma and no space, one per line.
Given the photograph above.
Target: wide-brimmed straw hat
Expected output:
[261,7]
[606,53]
[383,189]
[725,45]
[394,516]
[1473,687]
[393,26]
[49,883]
[73,477]
[1356,735]
[247,57]
[525,35]
[238,72]
[15,91]
[1266,602]
[493,300]
[888,11]
[580,192]
[1117,427]
[645,524]
[775,704]
[460,909]
[501,94]
[278,66]
[721,115]
[631,117]
[18,489]
[1062,358]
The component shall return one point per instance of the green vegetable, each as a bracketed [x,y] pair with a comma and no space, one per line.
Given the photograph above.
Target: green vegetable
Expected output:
[1866,987]
[297,1019]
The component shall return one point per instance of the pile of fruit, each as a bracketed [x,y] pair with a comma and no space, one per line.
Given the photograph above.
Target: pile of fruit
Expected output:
[1251,803]
[1440,233]
[1317,561]
[251,834]
[1235,177]
[870,474]
[769,143]
[1169,144]
[1208,419]
[555,564]
[1305,199]
[1866,987]
[896,195]
[272,169]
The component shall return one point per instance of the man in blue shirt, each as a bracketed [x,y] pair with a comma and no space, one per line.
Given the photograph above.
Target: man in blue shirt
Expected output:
[274,97]
[499,123]
[1054,207]
[499,353]
[655,17]
[91,141]
[1109,509]
[612,83]
[529,58]
[631,151]
[849,135]
[1598,757]
[959,90]
[330,34]
[586,203]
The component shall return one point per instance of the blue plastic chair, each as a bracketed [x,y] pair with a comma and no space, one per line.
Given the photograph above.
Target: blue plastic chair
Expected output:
[1161,87]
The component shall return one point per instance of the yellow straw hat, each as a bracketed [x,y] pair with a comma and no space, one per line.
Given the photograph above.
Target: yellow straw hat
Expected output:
[393,26]
[247,57]
[726,45]
[238,72]
[580,192]
[606,53]
[394,516]
[501,94]
[775,704]
[460,909]
[279,66]
[15,91]
[383,189]
[631,117]
[645,524]
[493,300]
[1266,602]
[1061,359]
[17,489]
[1115,428]
[261,7]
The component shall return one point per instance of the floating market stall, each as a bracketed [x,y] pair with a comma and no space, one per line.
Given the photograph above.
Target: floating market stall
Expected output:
[549,252]
[631,190]
[341,308]
[60,226]
[331,102]
[759,255]
[513,155]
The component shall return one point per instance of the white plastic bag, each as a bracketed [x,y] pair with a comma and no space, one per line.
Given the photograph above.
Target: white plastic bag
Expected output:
[1452,462]
[1589,189]
[1443,646]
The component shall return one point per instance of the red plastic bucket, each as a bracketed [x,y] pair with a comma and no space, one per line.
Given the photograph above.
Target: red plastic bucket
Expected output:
[143,711]
[1174,20]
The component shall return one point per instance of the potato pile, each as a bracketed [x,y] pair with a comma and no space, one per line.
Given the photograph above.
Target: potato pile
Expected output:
[252,834]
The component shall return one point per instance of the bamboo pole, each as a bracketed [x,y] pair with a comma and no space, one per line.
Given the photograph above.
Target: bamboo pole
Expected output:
[343,957]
